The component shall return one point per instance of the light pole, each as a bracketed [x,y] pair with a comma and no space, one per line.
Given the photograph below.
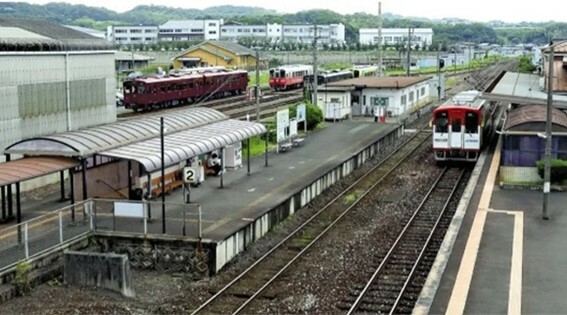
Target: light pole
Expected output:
[162,151]
[257,86]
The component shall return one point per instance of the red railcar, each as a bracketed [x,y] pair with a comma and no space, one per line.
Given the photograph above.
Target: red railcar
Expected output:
[289,77]
[152,91]
[461,127]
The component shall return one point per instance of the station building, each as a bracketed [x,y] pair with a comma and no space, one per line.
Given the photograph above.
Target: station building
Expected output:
[391,96]
[393,36]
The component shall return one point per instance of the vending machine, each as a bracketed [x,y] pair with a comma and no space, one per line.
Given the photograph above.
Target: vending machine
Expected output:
[233,155]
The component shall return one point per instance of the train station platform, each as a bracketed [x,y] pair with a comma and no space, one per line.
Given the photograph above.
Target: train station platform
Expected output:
[244,209]
[505,258]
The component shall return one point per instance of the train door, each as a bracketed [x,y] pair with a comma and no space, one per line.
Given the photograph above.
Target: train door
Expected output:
[472,135]
[456,133]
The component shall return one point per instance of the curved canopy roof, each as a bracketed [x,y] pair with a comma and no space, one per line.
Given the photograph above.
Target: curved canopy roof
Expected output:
[534,113]
[186,144]
[85,142]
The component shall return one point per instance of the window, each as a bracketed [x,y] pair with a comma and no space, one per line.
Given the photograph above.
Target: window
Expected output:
[441,122]
[178,30]
[411,95]
[471,122]
[423,91]
[403,100]
[149,31]
[135,31]
[364,100]
[456,125]
[120,31]
[212,24]
[212,32]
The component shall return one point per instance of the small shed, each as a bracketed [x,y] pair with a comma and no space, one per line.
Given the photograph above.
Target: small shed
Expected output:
[524,141]
[126,61]
[335,101]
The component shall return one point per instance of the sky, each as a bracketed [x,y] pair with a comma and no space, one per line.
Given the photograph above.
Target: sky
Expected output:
[477,10]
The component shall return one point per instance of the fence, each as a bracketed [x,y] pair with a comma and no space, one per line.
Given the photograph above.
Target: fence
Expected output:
[41,234]
[38,235]
[143,217]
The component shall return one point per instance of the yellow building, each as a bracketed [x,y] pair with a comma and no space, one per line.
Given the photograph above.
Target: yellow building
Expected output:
[218,53]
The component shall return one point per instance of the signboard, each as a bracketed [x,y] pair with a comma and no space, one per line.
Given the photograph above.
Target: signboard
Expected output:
[190,174]
[130,210]
[282,118]
[280,134]
[380,101]
[301,112]
[333,111]
[292,128]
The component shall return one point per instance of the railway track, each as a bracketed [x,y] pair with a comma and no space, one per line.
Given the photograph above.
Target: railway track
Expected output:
[390,283]
[252,283]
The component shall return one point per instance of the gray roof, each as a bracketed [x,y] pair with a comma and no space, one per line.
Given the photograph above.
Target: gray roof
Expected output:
[38,35]
[521,88]
[85,142]
[127,56]
[533,114]
[186,144]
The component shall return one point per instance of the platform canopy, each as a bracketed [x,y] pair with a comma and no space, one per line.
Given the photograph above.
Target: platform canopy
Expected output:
[183,145]
[29,168]
[88,141]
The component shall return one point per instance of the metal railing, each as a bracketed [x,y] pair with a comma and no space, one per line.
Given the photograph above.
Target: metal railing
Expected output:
[38,235]
[47,232]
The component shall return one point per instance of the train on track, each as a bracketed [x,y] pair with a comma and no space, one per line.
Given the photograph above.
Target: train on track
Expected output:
[182,87]
[461,127]
[289,76]
[326,77]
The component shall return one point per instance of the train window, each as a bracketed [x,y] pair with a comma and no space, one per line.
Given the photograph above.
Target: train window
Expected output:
[441,122]
[456,125]
[141,89]
[282,73]
[471,123]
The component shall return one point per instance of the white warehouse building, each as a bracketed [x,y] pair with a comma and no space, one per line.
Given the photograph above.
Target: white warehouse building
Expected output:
[304,33]
[391,36]
[132,34]
[52,79]
[181,30]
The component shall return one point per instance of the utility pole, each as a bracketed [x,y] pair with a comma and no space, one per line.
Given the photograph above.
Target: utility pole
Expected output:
[409,49]
[438,72]
[315,37]
[547,170]
[257,86]
[379,72]
[133,62]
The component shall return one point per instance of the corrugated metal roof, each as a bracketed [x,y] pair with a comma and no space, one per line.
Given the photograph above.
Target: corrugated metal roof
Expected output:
[32,167]
[558,48]
[186,144]
[237,49]
[534,113]
[381,82]
[85,142]
[16,35]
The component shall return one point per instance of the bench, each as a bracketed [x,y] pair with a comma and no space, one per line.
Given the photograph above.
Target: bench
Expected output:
[298,141]
[285,146]
[172,182]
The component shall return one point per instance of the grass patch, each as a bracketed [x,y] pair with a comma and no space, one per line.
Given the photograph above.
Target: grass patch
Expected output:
[257,146]
[350,198]
[264,78]
[450,82]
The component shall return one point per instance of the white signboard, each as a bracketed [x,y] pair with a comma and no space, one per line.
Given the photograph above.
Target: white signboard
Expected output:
[301,112]
[292,128]
[283,118]
[190,174]
[130,210]
[280,133]
[332,111]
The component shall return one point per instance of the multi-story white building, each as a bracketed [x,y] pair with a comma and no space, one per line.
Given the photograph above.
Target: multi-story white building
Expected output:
[132,34]
[181,30]
[392,36]
[304,33]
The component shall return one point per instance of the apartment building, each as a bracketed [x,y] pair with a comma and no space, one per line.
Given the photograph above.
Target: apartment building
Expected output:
[132,34]
[303,33]
[182,30]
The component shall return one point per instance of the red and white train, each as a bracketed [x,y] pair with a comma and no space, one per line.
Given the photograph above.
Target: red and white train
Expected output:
[180,88]
[289,77]
[461,127]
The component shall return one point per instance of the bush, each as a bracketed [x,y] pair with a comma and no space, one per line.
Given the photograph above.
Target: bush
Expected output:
[314,116]
[558,169]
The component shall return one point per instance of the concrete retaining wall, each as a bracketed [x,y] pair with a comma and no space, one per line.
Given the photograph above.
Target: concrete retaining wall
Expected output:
[235,244]
[103,270]
[44,267]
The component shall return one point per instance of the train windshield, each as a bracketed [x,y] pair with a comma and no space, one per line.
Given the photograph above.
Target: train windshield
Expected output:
[471,123]
[271,73]
[356,73]
[127,87]
[282,73]
[456,125]
[441,122]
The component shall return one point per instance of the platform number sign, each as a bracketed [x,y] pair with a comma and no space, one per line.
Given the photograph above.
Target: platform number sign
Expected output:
[380,101]
[189,174]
